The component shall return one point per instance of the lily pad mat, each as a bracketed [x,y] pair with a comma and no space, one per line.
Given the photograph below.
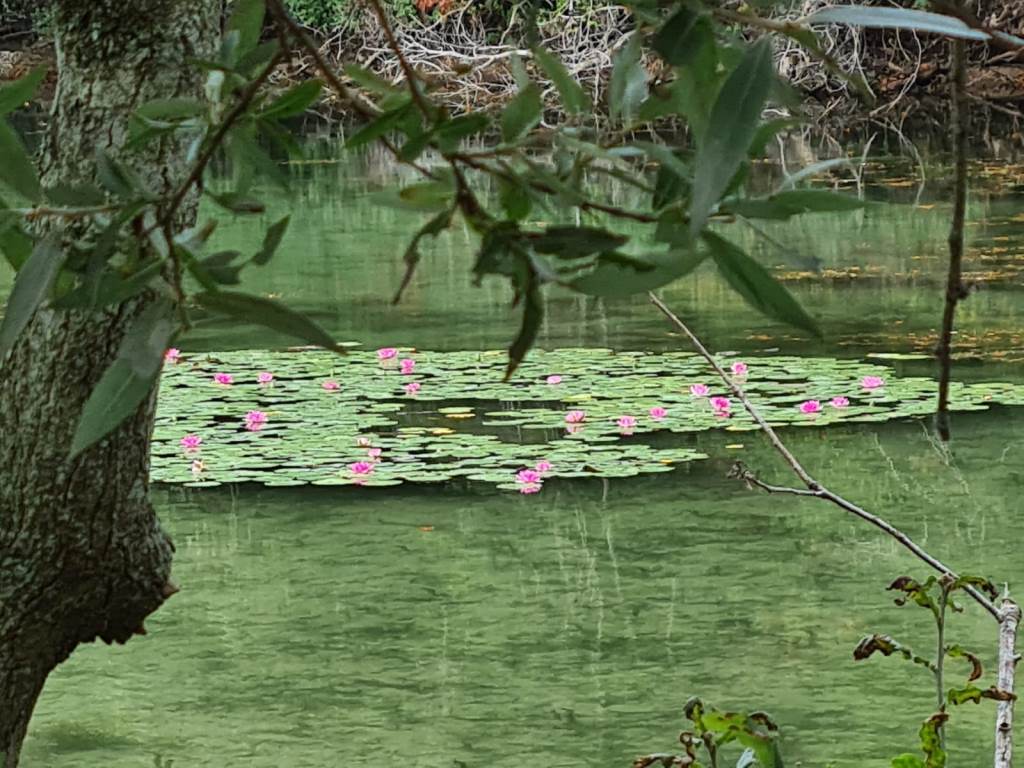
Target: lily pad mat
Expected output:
[464,422]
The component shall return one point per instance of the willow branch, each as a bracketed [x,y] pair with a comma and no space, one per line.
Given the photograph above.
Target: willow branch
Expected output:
[954,284]
[365,109]
[814,488]
[407,70]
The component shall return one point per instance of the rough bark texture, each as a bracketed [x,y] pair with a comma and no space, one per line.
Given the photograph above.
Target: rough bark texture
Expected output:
[82,555]
[1010,618]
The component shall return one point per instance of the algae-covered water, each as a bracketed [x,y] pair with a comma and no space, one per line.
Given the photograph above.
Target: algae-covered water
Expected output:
[458,624]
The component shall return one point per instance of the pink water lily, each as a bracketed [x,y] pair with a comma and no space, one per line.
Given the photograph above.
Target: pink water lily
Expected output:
[543,466]
[810,406]
[225,379]
[374,453]
[387,353]
[171,355]
[839,402]
[265,377]
[191,443]
[626,422]
[529,487]
[575,417]
[330,385]
[528,476]
[554,379]
[408,365]
[872,382]
[256,417]
[739,369]
[721,404]
[658,413]
[700,390]
[361,468]
[412,388]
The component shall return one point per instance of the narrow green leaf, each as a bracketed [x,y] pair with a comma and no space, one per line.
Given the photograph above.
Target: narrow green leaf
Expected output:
[295,101]
[247,19]
[533,318]
[31,286]
[514,196]
[111,288]
[451,132]
[271,241]
[432,228]
[129,380]
[679,40]
[628,87]
[731,128]
[895,18]
[813,170]
[258,58]
[74,196]
[757,285]
[371,81]
[575,100]
[16,246]
[268,313]
[219,269]
[16,94]
[793,203]
[249,156]
[116,177]
[521,114]
[614,277]
[576,242]
[237,203]
[381,125]
[16,167]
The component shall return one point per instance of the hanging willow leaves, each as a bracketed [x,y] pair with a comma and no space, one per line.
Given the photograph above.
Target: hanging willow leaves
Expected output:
[295,101]
[247,19]
[574,99]
[757,285]
[434,227]
[268,313]
[731,128]
[31,286]
[896,18]
[680,39]
[16,167]
[521,114]
[615,277]
[628,87]
[15,95]
[785,205]
[273,238]
[533,316]
[129,380]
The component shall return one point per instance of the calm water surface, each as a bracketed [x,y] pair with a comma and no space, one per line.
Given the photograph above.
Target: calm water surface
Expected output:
[454,627]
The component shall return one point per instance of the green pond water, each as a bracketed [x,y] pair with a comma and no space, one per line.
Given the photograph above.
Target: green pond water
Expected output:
[459,624]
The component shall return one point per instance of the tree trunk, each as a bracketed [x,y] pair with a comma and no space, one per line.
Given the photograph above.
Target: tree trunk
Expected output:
[82,555]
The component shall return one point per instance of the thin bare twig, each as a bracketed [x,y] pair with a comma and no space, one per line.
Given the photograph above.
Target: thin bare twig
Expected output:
[954,282]
[410,76]
[365,109]
[814,488]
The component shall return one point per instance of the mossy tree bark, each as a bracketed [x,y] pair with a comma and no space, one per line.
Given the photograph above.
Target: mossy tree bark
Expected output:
[82,554]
